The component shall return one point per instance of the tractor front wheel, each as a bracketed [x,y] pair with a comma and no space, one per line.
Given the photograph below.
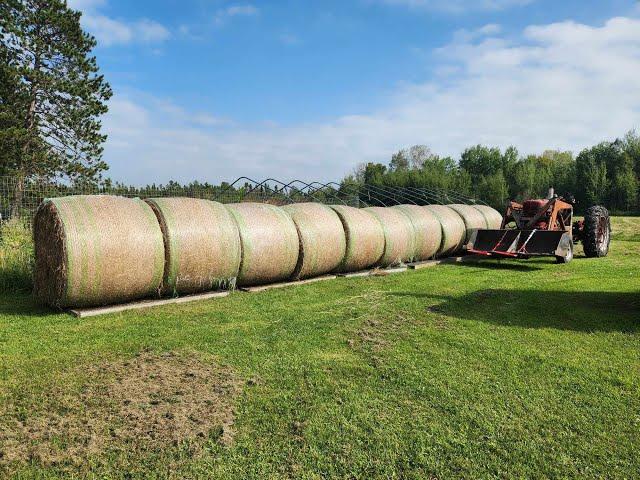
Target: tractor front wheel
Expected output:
[597,232]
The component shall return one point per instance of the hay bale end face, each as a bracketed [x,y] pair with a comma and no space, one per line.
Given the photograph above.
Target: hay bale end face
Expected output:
[364,236]
[427,233]
[472,217]
[322,239]
[399,240]
[202,245]
[452,226]
[95,250]
[491,216]
[270,243]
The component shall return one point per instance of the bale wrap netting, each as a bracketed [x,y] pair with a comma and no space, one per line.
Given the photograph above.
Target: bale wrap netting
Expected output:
[427,233]
[364,235]
[95,250]
[202,245]
[491,216]
[452,226]
[399,244]
[472,217]
[322,239]
[269,241]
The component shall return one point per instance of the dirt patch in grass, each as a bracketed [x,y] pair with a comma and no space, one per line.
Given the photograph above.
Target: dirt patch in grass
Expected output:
[150,402]
[378,325]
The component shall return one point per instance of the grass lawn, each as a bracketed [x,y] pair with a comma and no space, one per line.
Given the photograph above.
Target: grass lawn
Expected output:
[519,369]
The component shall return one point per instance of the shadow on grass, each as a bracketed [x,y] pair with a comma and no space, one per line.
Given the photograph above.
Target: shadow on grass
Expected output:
[494,264]
[577,311]
[22,304]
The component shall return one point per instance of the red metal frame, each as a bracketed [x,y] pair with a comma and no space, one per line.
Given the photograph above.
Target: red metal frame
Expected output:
[553,215]
[558,213]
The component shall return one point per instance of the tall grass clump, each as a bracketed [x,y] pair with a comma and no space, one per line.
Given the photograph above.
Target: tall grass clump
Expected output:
[16,256]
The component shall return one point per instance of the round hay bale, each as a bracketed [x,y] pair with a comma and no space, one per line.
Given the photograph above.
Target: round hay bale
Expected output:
[95,250]
[399,244]
[322,239]
[472,218]
[427,233]
[491,216]
[201,242]
[365,238]
[270,243]
[453,230]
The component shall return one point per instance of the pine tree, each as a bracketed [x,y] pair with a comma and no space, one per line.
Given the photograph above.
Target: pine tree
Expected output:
[51,96]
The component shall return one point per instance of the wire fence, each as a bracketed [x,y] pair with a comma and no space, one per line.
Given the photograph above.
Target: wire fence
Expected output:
[20,200]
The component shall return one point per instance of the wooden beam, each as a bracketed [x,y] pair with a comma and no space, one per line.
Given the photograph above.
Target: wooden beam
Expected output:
[92,312]
[262,288]
[440,261]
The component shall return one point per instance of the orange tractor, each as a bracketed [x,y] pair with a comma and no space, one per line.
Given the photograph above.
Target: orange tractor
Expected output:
[544,227]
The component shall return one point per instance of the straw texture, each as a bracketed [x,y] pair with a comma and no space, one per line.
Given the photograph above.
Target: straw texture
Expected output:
[270,243]
[453,230]
[322,239]
[491,216]
[95,250]
[427,233]
[399,244]
[201,242]
[472,217]
[364,235]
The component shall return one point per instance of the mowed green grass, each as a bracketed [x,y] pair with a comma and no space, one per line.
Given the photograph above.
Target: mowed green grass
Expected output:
[519,369]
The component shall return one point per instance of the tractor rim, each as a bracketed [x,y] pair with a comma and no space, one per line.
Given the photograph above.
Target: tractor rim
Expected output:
[603,234]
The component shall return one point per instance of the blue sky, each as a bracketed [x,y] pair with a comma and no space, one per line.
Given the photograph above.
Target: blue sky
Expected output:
[211,90]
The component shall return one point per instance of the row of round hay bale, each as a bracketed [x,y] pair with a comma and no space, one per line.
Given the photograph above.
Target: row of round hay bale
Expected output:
[472,217]
[321,236]
[364,237]
[427,232]
[452,228]
[270,243]
[399,243]
[95,250]
[491,216]
[202,245]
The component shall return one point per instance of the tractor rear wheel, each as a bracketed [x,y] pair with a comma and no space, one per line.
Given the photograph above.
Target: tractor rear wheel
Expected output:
[597,232]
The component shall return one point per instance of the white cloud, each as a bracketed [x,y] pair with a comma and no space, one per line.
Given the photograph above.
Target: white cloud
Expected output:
[465,35]
[459,6]
[564,85]
[223,15]
[109,31]
[85,4]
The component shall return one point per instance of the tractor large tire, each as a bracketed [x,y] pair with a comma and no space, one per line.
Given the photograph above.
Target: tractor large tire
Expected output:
[596,236]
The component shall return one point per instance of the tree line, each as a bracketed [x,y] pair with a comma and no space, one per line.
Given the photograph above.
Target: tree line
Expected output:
[605,174]
[52,98]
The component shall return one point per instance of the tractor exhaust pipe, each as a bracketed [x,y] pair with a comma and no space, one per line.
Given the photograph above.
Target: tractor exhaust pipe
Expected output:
[551,194]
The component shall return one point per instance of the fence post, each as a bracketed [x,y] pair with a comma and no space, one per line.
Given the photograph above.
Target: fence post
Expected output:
[18,198]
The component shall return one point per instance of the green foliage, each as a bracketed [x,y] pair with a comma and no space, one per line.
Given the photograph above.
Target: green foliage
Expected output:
[606,174]
[51,96]
[16,257]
